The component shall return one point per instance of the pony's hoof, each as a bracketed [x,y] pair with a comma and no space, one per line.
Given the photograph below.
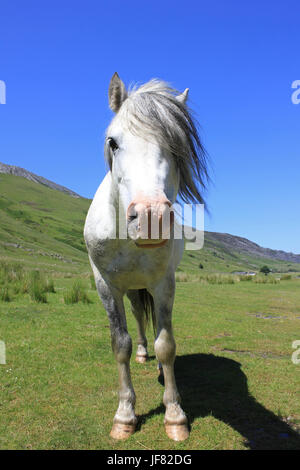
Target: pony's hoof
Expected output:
[177,432]
[141,359]
[122,431]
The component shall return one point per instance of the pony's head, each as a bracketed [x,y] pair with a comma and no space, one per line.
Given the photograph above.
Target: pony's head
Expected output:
[154,154]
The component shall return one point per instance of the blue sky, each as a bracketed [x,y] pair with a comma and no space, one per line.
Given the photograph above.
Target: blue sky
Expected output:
[239,60]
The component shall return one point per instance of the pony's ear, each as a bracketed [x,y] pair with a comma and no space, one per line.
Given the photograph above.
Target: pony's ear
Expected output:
[117,93]
[183,96]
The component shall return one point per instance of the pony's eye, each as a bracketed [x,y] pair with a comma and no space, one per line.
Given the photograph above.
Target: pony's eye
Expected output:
[113,144]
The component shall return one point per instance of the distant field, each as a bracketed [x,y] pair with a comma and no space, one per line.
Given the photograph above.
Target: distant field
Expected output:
[239,386]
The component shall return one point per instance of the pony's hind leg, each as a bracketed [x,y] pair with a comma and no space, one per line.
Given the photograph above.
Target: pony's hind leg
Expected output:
[176,423]
[139,314]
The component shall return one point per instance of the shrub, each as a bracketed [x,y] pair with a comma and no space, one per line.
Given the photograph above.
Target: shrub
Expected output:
[265,280]
[286,277]
[246,277]
[219,279]
[265,270]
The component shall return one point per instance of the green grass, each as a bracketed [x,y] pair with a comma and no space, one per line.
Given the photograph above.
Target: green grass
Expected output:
[58,389]
[15,280]
[239,386]
[41,227]
[4,294]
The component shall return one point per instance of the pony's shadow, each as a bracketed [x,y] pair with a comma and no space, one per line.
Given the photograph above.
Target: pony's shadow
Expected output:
[212,385]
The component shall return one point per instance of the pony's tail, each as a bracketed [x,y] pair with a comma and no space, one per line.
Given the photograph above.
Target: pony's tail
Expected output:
[148,306]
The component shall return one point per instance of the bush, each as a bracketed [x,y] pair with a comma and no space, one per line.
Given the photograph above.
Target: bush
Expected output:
[219,279]
[265,280]
[208,278]
[286,277]
[265,270]
[246,277]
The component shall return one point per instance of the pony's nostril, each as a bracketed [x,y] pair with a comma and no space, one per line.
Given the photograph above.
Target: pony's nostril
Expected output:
[132,217]
[132,213]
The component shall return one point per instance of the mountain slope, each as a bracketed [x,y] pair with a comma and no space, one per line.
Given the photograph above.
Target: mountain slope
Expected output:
[242,245]
[223,252]
[17,171]
[41,226]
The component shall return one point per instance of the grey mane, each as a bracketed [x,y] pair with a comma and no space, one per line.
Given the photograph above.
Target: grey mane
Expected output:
[153,111]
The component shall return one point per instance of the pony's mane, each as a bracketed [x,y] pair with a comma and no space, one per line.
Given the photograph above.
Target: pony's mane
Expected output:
[153,111]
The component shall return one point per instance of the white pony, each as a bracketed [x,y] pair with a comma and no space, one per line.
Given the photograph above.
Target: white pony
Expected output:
[154,155]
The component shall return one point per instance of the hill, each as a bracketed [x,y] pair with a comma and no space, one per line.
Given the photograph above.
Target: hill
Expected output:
[17,171]
[223,252]
[42,226]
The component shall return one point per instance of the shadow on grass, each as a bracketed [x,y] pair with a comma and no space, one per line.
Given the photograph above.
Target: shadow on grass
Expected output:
[212,385]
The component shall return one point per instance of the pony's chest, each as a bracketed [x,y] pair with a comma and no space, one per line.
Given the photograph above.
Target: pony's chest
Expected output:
[131,261]
[130,267]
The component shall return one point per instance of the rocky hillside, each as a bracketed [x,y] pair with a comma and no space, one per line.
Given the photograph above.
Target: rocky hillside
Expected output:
[244,246]
[17,171]
[41,223]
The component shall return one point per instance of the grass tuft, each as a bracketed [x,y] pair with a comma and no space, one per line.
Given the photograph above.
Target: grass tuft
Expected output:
[92,282]
[4,295]
[76,294]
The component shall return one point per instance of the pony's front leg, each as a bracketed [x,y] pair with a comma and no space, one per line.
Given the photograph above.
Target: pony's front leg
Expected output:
[176,423]
[125,420]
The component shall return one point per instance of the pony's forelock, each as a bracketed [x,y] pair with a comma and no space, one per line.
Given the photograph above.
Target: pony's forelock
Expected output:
[153,112]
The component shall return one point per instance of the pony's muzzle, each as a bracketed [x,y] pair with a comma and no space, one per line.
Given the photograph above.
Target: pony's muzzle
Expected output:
[150,222]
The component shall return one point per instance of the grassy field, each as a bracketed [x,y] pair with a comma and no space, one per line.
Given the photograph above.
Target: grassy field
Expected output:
[58,388]
[239,387]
